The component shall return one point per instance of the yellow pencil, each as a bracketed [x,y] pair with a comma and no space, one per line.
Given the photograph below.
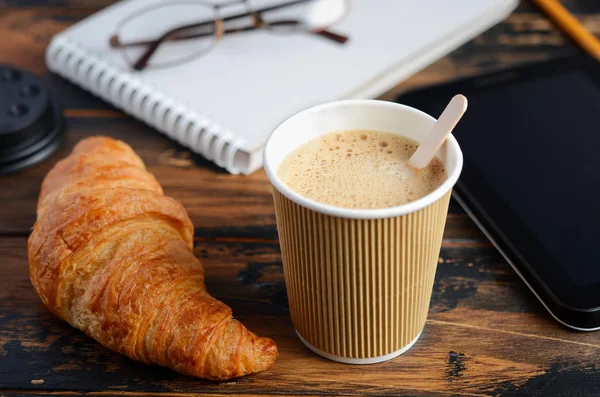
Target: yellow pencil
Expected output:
[571,26]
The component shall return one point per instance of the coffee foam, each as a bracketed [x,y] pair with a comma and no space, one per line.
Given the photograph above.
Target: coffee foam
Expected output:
[359,169]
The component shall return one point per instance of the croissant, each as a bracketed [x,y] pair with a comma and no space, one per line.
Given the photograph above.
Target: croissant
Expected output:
[112,256]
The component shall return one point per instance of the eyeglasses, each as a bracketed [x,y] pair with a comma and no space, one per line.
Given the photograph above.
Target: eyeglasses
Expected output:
[172,33]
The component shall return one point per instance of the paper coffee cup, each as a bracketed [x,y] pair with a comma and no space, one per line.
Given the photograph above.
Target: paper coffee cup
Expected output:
[359,281]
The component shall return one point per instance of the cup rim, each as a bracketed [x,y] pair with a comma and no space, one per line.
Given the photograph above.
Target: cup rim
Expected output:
[362,213]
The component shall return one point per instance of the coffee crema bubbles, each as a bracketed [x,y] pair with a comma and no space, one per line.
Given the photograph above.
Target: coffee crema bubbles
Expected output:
[359,169]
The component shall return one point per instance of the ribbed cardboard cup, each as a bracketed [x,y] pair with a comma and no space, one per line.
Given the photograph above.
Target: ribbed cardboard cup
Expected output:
[359,281]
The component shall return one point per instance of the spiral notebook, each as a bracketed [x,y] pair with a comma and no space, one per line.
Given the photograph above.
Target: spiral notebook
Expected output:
[224,104]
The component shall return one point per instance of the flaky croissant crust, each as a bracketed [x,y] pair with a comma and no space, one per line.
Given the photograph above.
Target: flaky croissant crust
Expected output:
[112,256]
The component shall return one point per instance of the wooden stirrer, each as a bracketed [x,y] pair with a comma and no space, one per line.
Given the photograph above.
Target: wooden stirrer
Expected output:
[439,132]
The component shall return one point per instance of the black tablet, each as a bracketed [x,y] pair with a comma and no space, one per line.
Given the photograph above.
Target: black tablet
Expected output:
[531,179]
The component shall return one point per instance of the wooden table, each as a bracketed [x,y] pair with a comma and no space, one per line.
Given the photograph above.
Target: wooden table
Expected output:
[486,334]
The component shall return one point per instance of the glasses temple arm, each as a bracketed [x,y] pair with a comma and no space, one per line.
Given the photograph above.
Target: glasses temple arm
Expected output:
[328,34]
[143,60]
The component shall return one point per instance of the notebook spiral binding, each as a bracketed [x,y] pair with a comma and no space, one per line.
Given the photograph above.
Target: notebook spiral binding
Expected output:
[144,102]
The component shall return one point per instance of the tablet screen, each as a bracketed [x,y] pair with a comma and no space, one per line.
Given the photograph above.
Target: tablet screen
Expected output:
[537,143]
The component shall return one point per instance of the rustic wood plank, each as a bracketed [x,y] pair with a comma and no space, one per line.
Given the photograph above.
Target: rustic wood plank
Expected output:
[65,4]
[19,393]
[486,336]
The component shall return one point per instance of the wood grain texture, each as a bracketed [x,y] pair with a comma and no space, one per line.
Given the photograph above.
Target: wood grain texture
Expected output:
[474,342]
[486,335]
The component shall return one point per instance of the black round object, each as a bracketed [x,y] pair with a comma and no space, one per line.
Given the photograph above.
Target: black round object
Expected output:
[31,122]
